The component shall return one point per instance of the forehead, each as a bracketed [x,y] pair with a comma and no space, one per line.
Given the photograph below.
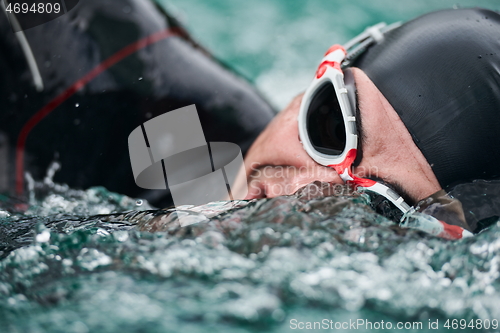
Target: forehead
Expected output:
[388,148]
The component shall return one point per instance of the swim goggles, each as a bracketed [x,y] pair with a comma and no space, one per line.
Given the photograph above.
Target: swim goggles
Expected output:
[327,118]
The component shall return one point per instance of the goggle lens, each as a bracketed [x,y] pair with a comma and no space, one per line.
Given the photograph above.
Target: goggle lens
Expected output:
[325,123]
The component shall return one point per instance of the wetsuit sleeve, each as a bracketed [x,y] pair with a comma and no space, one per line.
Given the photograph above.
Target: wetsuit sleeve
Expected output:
[106,68]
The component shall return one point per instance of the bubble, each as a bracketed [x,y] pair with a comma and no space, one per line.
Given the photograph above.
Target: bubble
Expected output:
[77,105]
[43,237]
[139,202]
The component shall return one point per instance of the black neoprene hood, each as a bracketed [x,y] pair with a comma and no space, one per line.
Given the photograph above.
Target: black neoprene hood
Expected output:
[441,73]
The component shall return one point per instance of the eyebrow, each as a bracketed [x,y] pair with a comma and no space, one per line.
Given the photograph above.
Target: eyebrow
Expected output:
[360,132]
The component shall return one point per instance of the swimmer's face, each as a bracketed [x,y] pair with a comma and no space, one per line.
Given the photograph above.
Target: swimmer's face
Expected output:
[277,164]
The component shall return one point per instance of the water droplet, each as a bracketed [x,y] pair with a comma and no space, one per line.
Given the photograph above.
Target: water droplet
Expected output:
[479,56]
[140,78]
[43,237]
[121,235]
[102,232]
[77,105]
[139,202]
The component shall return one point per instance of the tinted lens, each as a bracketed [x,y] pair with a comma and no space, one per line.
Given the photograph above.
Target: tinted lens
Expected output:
[325,123]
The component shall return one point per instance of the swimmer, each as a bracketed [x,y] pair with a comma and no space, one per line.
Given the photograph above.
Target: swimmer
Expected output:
[418,117]
[406,111]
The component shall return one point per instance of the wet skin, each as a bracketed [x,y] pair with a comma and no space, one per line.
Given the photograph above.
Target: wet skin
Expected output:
[277,164]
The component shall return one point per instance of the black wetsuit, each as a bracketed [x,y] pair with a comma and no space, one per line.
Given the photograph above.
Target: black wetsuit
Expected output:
[106,67]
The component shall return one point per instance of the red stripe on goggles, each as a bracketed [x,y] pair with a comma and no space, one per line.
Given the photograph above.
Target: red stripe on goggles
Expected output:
[327,119]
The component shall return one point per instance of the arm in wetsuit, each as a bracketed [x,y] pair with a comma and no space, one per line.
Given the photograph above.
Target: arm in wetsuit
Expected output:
[106,67]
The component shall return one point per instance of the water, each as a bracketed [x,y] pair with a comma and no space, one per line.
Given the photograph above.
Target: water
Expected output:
[278,44]
[95,261]
[260,267]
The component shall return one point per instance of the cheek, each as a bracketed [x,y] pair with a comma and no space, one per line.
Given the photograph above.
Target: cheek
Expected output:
[282,134]
[278,143]
[285,130]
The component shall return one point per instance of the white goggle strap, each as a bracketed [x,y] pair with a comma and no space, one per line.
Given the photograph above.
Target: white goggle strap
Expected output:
[389,194]
[360,43]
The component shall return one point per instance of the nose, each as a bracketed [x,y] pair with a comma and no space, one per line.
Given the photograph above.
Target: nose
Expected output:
[275,180]
[308,172]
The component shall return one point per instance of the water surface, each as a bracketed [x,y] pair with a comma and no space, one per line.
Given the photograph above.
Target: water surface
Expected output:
[256,268]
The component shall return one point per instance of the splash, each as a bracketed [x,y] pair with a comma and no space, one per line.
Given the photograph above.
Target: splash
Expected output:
[244,267]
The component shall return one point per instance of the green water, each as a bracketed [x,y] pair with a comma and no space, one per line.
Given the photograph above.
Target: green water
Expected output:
[265,267]
[278,44]
[66,267]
